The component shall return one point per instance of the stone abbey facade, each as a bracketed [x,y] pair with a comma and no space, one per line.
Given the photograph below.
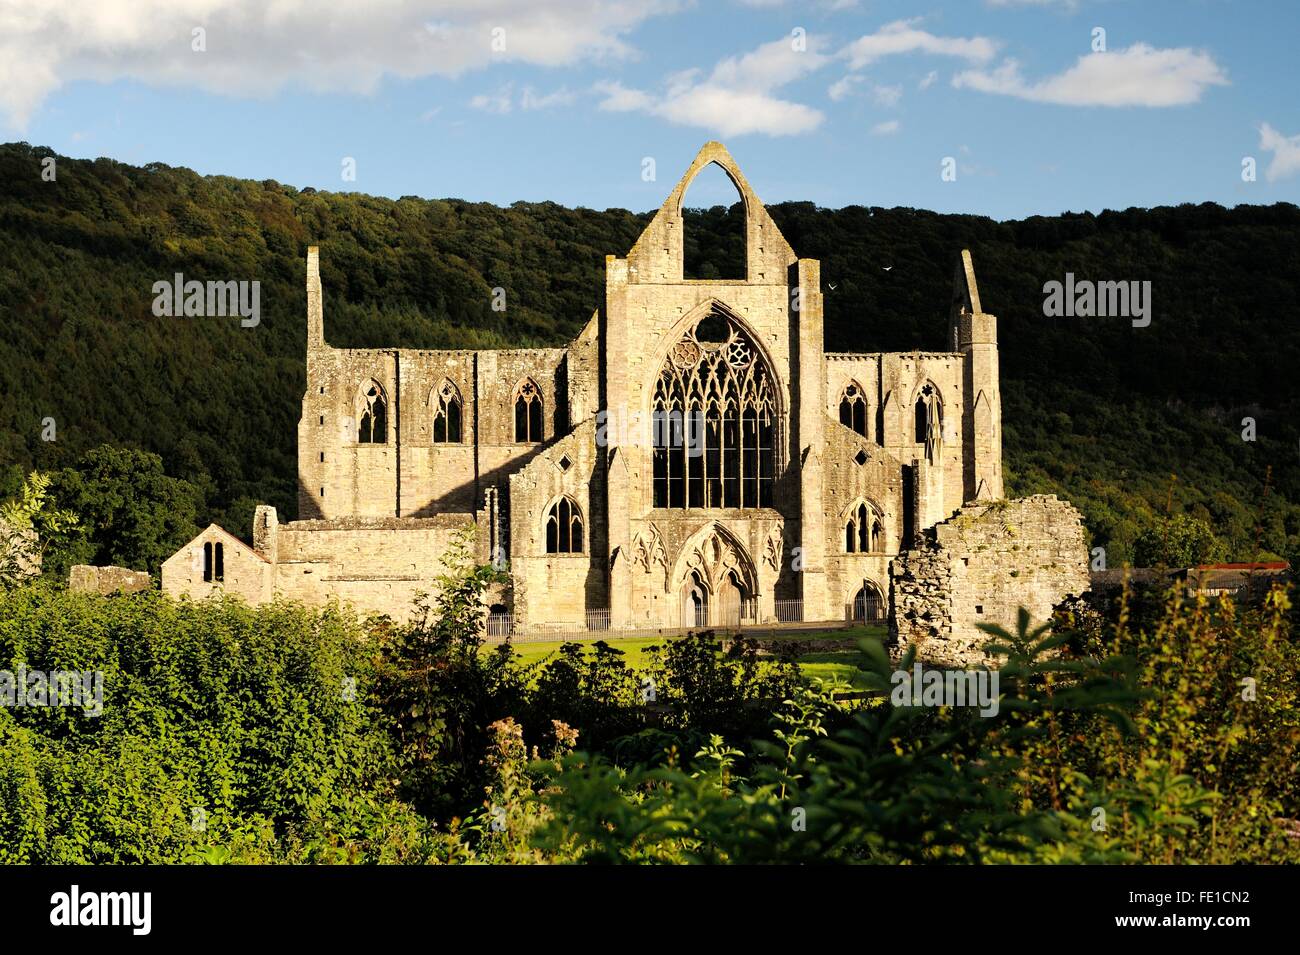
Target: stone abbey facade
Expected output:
[694,457]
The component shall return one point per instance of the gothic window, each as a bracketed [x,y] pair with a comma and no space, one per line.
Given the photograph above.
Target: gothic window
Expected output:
[862,530]
[372,414]
[214,562]
[447,414]
[564,528]
[929,421]
[528,413]
[714,421]
[853,408]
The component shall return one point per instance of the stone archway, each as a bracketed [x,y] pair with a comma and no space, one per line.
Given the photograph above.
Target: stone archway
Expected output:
[716,577]
[695,603]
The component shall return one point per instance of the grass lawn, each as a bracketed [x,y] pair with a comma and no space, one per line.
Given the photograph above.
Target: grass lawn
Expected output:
[831,662]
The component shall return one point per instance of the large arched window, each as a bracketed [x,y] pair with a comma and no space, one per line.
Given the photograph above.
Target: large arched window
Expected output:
[853,408]
[372,413]
[863,531]
[528,412]
[929,421]
[447,413]
[713,227]
[714,420]
[564,528]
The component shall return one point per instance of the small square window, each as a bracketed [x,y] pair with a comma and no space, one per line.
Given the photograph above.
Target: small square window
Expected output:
[565,463]
[979,609]
[860,457]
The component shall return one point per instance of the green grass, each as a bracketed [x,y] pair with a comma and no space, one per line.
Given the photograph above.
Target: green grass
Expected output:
[842,663]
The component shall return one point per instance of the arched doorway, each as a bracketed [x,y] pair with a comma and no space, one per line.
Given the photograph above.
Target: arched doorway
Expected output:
[730,603]
[718,579]
[499,622]
[695,603]
[868,604]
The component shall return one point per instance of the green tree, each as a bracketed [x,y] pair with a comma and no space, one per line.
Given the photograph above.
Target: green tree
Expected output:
[132,513]
[29,527]
[1178,541]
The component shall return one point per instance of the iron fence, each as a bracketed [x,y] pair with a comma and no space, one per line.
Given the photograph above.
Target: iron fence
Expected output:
[598,624]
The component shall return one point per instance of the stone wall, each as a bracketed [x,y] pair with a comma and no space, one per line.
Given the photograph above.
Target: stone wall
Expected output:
[376,565]
[376,517]
[245,573]
[981,566]
[107,580]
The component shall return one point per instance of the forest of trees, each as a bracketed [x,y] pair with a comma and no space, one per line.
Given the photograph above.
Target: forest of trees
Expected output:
[1134,425]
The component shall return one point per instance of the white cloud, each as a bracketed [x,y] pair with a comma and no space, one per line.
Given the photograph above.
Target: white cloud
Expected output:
[928,80]
[903,36]
[736,98]
[1285,150]
[531,99]
[255,47]
[1137,76]
[499,102]
[887,96]
[887,128]
[842,87]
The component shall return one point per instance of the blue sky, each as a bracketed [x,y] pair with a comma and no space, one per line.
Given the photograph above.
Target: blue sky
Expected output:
[831,102]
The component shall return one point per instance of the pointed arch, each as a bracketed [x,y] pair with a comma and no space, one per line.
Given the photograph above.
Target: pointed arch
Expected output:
[528,413]
[716,406]
[725,254]
[448,411]
[927,419]
[713,552]
[868,603]
[863,528]
[372,413]
[853,407]
[564,529]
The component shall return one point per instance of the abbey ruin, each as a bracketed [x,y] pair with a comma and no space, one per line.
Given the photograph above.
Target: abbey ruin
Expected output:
[694,458]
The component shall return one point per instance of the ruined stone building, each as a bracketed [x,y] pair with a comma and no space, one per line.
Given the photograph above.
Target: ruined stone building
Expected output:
[693,457]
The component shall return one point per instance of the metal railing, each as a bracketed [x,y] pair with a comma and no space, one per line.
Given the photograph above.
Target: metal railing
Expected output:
[598,624]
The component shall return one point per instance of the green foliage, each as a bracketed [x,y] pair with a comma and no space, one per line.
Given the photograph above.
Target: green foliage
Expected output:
[440,693]
[30,527]
[132,514]
[238,714]
[1169,734]
[1146,756]
[1177,541]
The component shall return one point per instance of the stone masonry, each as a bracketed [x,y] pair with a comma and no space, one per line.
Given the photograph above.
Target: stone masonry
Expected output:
[981,566]
[693,458]
[108,579]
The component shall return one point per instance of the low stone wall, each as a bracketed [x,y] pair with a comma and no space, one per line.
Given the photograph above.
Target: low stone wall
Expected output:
[981,566]
[107,580]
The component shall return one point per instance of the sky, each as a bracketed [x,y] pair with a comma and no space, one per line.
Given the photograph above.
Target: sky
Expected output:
[1005,108]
